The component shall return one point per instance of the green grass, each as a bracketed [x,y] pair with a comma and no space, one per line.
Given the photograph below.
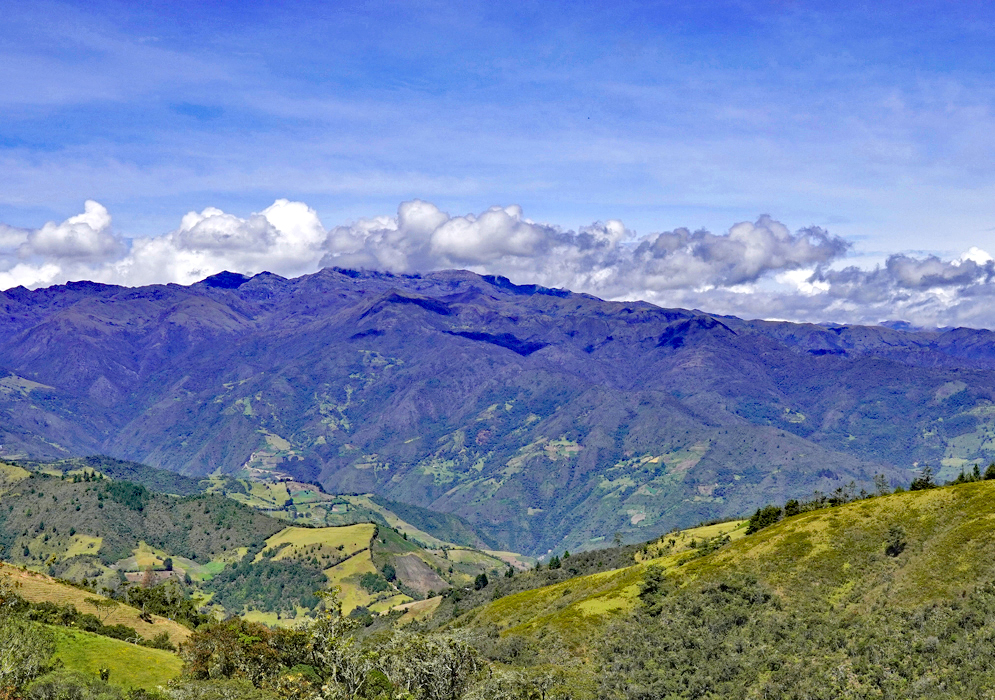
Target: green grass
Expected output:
[10,475]
[131,666]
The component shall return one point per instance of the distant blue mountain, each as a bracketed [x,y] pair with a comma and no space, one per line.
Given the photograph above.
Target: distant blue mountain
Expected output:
[549,419]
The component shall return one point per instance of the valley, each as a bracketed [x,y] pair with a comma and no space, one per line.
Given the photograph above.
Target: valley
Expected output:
[896,587]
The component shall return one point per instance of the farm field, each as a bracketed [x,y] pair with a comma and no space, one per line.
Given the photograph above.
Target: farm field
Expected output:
[346,576]
[334,542]
[419,609]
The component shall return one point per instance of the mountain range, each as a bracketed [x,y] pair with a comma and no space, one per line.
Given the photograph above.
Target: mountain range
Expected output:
[549,419]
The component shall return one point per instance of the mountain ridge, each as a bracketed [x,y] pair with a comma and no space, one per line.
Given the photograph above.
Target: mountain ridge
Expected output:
[549,419]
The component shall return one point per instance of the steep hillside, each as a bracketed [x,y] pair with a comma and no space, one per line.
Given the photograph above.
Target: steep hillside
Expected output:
[549,419]
[287,499]
[72,525]
[889,597]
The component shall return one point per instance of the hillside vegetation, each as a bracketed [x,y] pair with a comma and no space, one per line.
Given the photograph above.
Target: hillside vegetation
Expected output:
[39,588]
[75,526]
[835,558]
[884,597]
[286,499]
[221,545]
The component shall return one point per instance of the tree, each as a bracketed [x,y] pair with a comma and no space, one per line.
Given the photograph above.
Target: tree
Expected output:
[924,480]
[653,589]
[990,472]
[764,517]
[232,649]
[896,541]
[433,667]
[554,563]
[480,582]
[881,485]
[103,606]
[374,583]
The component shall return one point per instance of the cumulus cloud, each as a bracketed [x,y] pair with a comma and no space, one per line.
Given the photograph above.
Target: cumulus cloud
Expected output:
[286,238]
[756,268]
[86,236]
[747,252]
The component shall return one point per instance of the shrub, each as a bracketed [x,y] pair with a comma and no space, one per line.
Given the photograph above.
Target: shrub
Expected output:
[374,583]
[896,541]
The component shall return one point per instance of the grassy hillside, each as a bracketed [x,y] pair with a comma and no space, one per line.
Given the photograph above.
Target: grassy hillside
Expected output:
[445,526]
[130,666]
[833,558]
[304,503]
[37,588]
[307,503]
[158,480]
[10,474]
[72,522]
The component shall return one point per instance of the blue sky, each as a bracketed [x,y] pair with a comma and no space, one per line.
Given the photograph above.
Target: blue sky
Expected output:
[873,121]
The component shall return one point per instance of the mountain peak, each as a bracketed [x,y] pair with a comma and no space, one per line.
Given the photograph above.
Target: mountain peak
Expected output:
[225,280]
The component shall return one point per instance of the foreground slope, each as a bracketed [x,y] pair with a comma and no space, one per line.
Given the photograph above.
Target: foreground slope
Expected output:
[833,559]
[130,665]
[550,419]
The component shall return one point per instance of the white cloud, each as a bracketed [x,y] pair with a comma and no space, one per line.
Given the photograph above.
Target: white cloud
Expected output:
[496,233]
[755,269]
[286,238]
[23,275]
[86,236]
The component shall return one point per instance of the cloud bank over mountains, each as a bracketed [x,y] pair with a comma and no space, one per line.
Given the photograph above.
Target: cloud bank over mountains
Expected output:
[754,269]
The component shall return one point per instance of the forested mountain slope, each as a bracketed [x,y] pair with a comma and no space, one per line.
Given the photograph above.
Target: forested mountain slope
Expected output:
[549,419]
